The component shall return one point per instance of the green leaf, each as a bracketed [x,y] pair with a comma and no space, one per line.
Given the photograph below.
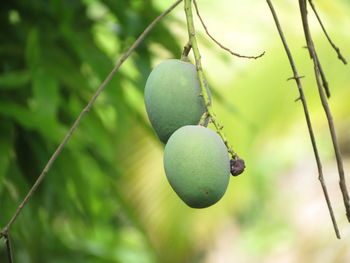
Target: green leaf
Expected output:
[19,113]
[33,48]
[6,144]
[14,79]
[45,94]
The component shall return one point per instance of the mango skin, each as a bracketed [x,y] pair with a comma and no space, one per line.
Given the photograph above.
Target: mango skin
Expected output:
[172,97]
[197,165]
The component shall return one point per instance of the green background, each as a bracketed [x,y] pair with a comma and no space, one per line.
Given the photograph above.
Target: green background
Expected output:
[106,199]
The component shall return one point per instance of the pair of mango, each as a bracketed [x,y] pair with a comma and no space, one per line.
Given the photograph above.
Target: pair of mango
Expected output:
[196,160]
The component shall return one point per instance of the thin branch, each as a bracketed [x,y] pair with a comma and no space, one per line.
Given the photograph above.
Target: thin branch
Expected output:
[311,48]
[9,249]
[323,77]
[84,112]
[297,78]
[203,82]
[326,34]
[8,246]
[217,42]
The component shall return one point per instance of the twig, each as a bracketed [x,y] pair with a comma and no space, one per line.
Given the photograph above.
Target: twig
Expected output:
[316,60]
[186,51]
[8,246]
[297,78]
[326,34]
[83,113]
[203,83]
[217,42]
[311,48]
[9,249]
[323,77]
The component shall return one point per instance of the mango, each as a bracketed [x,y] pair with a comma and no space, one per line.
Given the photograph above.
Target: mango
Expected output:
[197,165]
[172,97]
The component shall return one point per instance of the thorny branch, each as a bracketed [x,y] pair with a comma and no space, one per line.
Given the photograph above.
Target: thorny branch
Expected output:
[217,42]
[302,98]
[320,69]
[312,51]
[4,232]
[326,34]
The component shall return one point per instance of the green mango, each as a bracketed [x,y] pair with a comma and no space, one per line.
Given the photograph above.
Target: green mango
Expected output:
[197,165]
[172,97]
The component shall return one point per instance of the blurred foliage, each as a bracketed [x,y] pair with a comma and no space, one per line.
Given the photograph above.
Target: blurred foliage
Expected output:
[106,198]
[53,56]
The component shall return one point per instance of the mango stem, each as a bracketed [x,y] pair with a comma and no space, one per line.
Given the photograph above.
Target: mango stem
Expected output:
[205,95]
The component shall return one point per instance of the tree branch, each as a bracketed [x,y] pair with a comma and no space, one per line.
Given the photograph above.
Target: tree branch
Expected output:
[217,42]
[326,34]
[81,116]
[311,48]
[296,77]
[203,82]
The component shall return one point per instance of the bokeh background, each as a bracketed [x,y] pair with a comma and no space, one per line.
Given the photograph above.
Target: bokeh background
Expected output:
[106,199]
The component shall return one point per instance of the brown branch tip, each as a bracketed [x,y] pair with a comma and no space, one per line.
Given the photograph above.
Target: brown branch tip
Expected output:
[337,50]
[217,42]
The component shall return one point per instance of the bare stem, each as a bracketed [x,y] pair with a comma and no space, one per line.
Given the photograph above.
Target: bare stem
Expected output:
[326,34]
[323,77]
[311,48]
[203,83]
[6,236]
[203,118]
[316,60]
[297,78]
[82,114]
[217,42]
